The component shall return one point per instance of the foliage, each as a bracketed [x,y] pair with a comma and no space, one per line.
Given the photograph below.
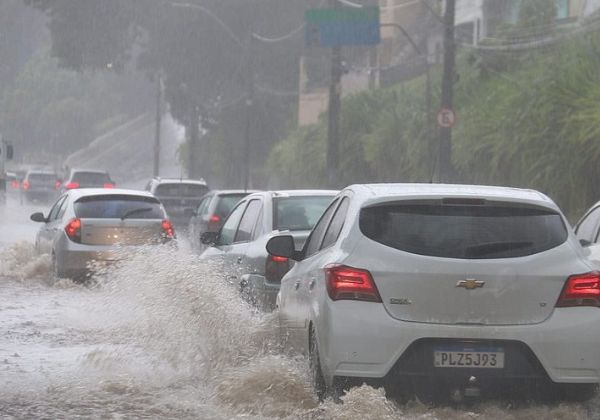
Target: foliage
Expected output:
[203,49]
[536,125]
[51,111]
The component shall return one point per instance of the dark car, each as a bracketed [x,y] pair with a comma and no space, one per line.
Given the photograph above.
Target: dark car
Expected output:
[87,178]
[39,185]
[178,196]
[211,213]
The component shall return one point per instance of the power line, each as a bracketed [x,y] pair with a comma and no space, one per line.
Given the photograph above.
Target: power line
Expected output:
[207,11]
[278,39]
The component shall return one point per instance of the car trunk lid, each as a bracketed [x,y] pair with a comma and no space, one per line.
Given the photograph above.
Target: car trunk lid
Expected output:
[121,232]
[491,264]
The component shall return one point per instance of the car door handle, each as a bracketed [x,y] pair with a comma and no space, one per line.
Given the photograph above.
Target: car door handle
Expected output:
[312,283]
[297,285]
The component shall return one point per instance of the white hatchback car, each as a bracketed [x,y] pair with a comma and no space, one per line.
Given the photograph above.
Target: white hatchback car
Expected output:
[465,287]
[94,224]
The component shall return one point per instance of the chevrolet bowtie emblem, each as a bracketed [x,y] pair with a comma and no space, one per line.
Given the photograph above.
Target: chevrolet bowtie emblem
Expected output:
[470,284]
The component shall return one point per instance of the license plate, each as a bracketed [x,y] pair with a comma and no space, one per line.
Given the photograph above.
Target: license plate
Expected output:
[487,358]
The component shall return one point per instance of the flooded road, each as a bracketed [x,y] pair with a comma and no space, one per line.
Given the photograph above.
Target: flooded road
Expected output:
[162,336]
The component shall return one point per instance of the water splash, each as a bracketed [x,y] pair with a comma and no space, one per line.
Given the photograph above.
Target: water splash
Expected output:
[21,261]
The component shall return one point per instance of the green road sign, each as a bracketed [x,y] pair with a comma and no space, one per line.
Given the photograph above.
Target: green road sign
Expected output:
[342,26]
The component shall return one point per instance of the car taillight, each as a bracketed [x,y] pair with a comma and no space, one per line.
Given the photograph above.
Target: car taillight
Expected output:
[26,185]
[581,290]
[214,223]
[109,185]
[57,184]
[275,268]
[168,231]
[72,185]
[347,283]
[73,230]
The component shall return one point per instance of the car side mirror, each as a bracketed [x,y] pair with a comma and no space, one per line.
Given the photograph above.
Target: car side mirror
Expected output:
[189,212]
[38,217]
[584,242]
[209,238]
[283,246]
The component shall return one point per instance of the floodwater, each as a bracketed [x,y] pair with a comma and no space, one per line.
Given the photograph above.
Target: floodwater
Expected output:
[162,336]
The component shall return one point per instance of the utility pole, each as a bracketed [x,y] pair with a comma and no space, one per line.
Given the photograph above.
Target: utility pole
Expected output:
[445,146]
[333,112]
[156,167]
[249,109]
[193,141]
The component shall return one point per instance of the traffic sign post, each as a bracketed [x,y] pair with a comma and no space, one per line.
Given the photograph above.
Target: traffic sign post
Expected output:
[336,27]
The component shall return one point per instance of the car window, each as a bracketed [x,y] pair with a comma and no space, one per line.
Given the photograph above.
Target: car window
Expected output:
[336,225]
[587,228]
[226,202]
[228,230]
[314,240]
[249,219]
[494,230]
[62,209]
[203,206]
[299,212]
[259,229]
[117,206]
[91,178]
[42,178]
[180,190]
[56,208]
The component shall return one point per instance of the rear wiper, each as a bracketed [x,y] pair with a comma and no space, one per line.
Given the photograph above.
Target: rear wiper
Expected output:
[134,211]
[494,247]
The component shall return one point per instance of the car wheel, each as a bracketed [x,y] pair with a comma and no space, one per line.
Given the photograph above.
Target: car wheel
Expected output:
[316,372]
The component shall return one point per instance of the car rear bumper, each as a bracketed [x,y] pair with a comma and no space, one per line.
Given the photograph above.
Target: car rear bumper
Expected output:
[77,260]
[564,347]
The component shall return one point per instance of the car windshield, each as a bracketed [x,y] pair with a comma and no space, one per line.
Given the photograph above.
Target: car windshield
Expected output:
[44,178]
[180,190]
[464,231]
[118,206]
[299,212]
[91,178]
[226,203]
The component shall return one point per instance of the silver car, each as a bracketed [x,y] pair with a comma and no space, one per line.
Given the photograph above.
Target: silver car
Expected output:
[468,288]
[239,246]
[86,225]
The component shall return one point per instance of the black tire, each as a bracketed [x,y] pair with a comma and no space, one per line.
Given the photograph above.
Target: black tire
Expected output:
[318,380]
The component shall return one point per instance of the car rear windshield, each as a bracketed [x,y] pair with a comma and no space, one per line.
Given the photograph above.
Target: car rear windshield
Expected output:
[42,178]
[118,206]
[181,190]
[484,231]
[226,203]
[91,178]
[298,213]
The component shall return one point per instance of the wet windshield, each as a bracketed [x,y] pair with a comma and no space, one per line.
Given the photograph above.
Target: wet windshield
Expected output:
[298,213]
[180,190]
[116,207]
[469,232]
